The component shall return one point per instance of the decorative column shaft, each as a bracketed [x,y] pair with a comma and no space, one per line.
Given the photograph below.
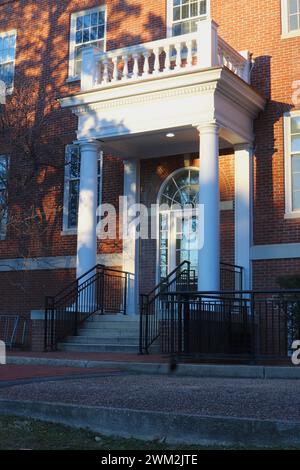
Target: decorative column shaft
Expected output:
[87,211]
[209,198]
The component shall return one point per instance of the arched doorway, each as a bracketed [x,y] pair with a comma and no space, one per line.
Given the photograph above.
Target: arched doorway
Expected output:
[177,233]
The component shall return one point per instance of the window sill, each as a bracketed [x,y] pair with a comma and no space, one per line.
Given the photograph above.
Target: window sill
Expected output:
[292,215]
[73,79]
[293,34]
[68,232]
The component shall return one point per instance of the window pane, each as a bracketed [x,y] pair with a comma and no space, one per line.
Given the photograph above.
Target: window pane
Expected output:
[73,203]
[176,14]
[87,21]
[296,200]
[79,23]
[296,182]
[294,24]
[295,164]
[86,35]
[295,126]
[295,143]
[293,6]
[94,19]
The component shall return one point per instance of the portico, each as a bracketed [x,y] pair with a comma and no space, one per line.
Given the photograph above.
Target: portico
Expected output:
[207,107]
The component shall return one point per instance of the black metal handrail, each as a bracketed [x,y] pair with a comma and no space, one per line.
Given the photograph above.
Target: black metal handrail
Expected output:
[248,325]
[231,276]
[150,303]
[101,289]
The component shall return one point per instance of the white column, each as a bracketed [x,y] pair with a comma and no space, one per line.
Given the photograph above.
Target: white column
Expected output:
[243,210]
[130,243]
[209,198]
[87,211]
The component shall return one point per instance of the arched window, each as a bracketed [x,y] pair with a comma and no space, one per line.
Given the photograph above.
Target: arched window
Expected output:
[179,191]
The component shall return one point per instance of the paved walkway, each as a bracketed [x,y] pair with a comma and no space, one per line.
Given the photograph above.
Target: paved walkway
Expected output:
[249,398]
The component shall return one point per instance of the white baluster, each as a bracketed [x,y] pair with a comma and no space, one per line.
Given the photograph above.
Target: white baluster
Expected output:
[156,53]
[105,71]
[171,49]
[189,59]
[116,70]
[178,56]
[146,67]
[135,71]
[125,69]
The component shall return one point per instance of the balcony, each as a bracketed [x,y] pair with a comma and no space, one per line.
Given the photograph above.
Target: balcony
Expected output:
[131,98]
[163,58]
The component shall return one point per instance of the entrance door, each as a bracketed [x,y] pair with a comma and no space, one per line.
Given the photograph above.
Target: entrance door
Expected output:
[178,222]
[184,243]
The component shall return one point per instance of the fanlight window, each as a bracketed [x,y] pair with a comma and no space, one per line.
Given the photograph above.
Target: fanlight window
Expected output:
[181,189]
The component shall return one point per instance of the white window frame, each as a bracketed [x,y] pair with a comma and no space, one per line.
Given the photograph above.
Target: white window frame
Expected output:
[74,16]
[66,230]
[285,32]
[9,90]
[3,224]
[170,16]
[289,212]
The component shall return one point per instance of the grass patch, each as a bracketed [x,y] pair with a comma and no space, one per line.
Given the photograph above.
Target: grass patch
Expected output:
[29,434]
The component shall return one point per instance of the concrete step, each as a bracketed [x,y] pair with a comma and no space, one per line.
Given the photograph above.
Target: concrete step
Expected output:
[108,333]
[115,318]
[121,348]
[96,340]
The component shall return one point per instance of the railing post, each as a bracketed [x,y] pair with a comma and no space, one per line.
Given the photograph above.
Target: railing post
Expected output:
[49,301]
[253,345]
[147,325]
[89,67]
[207,44]
[76,312]
[186,317]
[125,293]
[142,315]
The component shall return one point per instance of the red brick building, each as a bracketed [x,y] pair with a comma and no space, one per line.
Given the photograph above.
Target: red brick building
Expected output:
[135,89]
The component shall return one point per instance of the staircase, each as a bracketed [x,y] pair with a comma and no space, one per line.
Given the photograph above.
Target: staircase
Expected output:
[105,333]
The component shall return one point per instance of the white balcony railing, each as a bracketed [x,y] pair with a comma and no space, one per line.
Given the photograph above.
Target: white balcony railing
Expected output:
[180,54]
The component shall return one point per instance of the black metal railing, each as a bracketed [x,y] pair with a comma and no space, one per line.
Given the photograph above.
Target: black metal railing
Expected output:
[183,278]
[253,326]
[14,331]
[102,290]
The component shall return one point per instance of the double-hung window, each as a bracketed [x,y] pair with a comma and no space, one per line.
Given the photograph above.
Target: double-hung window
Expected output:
[292,163]
[184,15]
[290,13]
[4,167]
[72,184]
[87,28]
[7,58]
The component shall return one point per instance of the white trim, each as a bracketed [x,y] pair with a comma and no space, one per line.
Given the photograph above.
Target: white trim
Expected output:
[72,42]
[279,251]
[289,212]
[55,262]
[169,7]
[285,33]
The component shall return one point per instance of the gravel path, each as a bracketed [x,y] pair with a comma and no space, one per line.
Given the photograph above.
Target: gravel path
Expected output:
[251,398]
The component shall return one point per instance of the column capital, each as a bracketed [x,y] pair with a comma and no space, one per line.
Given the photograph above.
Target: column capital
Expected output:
[207,127]
[247,146]
[89,144]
